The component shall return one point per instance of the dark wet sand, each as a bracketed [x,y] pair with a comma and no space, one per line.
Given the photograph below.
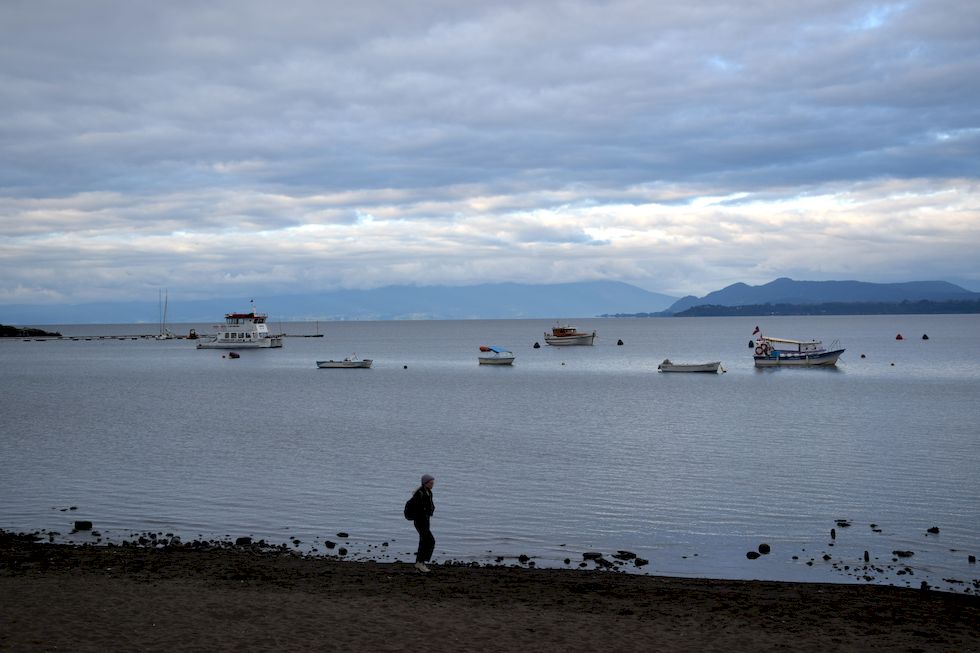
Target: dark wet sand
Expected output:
[61,597]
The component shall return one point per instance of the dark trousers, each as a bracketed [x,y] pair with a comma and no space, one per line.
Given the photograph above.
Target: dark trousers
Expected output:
[427,543]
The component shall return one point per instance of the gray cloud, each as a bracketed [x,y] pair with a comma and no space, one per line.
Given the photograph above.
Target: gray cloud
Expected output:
[682,147]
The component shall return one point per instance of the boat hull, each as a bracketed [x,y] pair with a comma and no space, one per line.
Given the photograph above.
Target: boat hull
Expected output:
[492,360]
[260,343]
[564,341]
[362,364]
[780,359]
[705,368]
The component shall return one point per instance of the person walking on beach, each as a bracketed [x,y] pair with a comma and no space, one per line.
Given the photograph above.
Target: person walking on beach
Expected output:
[424,507]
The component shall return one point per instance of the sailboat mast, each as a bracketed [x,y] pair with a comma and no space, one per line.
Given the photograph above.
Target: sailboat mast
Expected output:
[164,297]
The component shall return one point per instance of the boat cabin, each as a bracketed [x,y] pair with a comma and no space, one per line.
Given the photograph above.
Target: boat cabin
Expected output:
[245,318]
[796,346]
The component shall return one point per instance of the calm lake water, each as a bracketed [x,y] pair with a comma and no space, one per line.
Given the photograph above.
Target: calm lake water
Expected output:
[571,450]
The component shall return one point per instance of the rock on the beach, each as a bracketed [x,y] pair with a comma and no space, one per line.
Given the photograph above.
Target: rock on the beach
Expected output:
[752,555]
[641,562]
[764,549]
[934,530]
[903,554]
[82,525]
[243,541]
[591,555]
[624,555]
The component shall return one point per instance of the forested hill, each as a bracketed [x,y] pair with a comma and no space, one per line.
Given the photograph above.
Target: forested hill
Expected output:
[837,308]
[785,291]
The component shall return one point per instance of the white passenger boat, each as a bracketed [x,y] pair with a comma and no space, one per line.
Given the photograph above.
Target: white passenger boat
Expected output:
[568,335]
[350,362]
[710,368]
[493,355]
[241,331]
[777,352]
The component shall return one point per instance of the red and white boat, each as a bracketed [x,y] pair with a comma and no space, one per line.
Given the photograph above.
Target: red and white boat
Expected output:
[562,335]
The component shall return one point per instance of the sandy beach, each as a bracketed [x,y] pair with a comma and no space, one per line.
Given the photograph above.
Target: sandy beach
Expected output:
[64,597]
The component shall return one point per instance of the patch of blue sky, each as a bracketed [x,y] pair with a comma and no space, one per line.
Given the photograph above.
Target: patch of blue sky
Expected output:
[724,65]
[878,15]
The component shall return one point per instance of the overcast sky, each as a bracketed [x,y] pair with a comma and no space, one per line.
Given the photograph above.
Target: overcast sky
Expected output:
[246,148]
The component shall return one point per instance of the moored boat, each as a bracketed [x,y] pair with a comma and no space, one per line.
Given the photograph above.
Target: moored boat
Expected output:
[777,352]
[351,362]
[493,355]
[165,332]
[562,335]
[713,367]
[242,331]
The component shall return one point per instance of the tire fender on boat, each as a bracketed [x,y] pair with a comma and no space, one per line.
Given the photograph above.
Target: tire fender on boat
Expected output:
[759,350]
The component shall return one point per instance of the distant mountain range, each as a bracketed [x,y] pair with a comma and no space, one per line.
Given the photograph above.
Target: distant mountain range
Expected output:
[486,301]
[921,307]
[508,301]
[788,291]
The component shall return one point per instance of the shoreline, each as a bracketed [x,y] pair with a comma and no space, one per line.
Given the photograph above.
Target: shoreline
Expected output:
[143,598]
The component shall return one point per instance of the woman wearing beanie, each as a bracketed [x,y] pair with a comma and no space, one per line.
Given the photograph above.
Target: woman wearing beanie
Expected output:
[424,507]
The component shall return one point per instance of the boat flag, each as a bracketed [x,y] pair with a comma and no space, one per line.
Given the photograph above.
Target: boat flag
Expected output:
[756,331]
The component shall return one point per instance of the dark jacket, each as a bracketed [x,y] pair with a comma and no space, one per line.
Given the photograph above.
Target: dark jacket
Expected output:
[424,507]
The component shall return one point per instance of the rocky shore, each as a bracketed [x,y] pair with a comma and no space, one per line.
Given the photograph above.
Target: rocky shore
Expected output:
[245,597]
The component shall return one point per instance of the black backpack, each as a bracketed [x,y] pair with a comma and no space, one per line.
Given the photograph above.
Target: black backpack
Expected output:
[410,509]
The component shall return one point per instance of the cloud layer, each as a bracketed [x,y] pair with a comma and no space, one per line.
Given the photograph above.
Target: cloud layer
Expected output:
[253,148]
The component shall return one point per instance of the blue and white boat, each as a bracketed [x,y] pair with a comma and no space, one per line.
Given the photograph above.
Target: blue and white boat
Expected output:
[777,352]
[494,355]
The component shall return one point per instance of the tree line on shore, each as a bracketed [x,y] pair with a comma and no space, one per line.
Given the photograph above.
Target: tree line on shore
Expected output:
[7,331]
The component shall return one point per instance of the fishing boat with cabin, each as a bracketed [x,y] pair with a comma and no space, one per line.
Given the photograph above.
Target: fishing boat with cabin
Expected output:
[778,352]
[562,335]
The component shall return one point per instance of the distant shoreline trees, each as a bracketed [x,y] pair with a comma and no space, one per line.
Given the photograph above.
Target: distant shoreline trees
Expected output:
[22,332]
